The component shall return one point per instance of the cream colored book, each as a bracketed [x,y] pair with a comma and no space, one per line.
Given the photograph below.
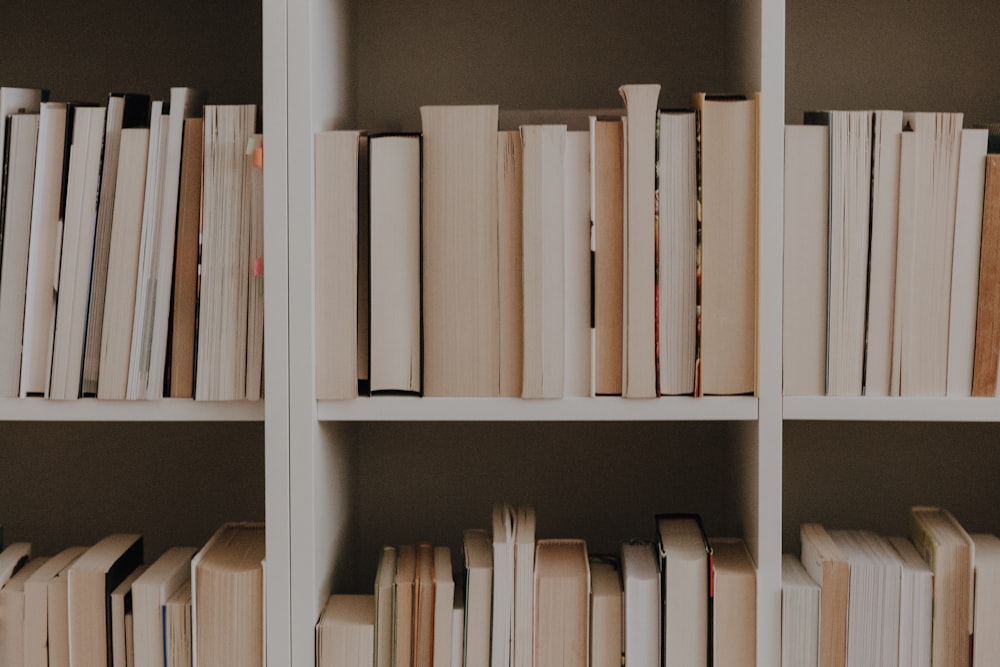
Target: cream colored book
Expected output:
[423,606]
[444,608]
[477,549]
[986,629]
[460,256]
[36,606]
[177,628]
[639,268]
[605,612]
[384,576]
[345,633]
[12,559]
[404,589]
[335,238]
[684,569]
[828,566]
[458,629]
[123,618]
[642,628]
[12,613]
[524,586]
[577,345]
[543,255]
[562,603]
[800,602]
[504,521]
[734,604]
[915,604]
[149,593]
[510,212]
[58,620]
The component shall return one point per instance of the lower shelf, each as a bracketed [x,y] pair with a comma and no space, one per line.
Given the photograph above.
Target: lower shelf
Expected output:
[890,409]
[164,410]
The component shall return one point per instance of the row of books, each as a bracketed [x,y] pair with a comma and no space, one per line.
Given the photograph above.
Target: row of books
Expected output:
[857,598]
[100,606]
[132,245]
[582,253]
[890,256]
[685,601]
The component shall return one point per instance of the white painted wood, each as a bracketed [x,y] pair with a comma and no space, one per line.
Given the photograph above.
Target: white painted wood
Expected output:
[891,409]
[164,410]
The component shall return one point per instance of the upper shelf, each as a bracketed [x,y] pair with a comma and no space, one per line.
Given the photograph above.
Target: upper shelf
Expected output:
[165,410]
[891,409]
[605,408]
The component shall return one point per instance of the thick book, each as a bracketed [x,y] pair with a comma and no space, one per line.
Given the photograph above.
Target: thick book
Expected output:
[221,370]
[149,593]
[915,604]
[91,579]
[394,170]
[685,590]
[36,606]
[577,344]
[335,233]
[850,135]
[460,271]
[727,345]
[504,519]
[122,625]
[804,273]
[383,600]
[562,607]
[43,248]
[510,249]
[642,630]
[639,241]
[734,604]
[543,255]
[607,209]
[605,612]
[227,598]
[678,250]
[345,632]
[986,629]
[965,263]
[477,548]
[948,549]
[828,566]
[123,265]
[177,628]
[76,250]
[125,110]
[800,602]
[18,186]
[987,353]
[12,613]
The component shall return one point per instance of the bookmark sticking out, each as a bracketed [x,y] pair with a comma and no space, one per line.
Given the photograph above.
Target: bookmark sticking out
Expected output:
[255,147]
[258,272]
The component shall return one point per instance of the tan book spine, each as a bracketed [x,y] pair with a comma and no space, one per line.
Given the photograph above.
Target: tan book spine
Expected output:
[509,204]
[984,370]
[608,191]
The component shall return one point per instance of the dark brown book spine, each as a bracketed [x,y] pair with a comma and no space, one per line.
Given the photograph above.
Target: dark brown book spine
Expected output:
[984,369]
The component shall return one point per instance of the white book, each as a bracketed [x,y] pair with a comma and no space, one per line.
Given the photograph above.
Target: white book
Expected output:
[394,170]
[43,250]
[915,602]
[684,571]
[524,587]
[384,576]
[800,597]
[478,551]
[639,309]
[36,606]
[605,613]
[73,285]
[641,603]
[986,629]
[18,188]
[576,264]
[345,632]
[12,613]
[678,250]
[458,629]
[149,593]
[543,257]
[887,128]
[965,262]
[503,585]
[444,607]
[804,273]
[15,101]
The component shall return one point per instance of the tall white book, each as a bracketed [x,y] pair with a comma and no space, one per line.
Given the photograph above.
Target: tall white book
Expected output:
[524,587]
[504,519]
[799,615]
[641,603]
[685,558]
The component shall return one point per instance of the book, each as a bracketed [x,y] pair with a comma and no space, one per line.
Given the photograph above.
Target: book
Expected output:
[18,188]
[444,608]
[458,629]
[227,598]
[477,549]
[986,617]
[927,258]
[965,262]
[364,268]
[887,128]
[58,619]
[504,520]
[605,612]
[221,363]
[177,628]
[18,101]
[944,545]
[804,272]
[460,256]
[987,350]
[562,608]
[800,602]
[727,345]
[915,604]
[336,260]
[12,613]
[685,591]
[123,264]
[522,636]
[734,604]
[124,110]
[394,170]
[850,135]
[904,254]
[185,294]
[404,591]
[607,208]
[642,629]
[423,606]
[76,251]
[255,275]
[150,592]
[383,600]
[543,259]
[828,567]
[12,558]
[43,248]
[122,624]
[345,632]
[577,345]
[678,249]
[639,241]
[91,579]
[36,606]
[510,248]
